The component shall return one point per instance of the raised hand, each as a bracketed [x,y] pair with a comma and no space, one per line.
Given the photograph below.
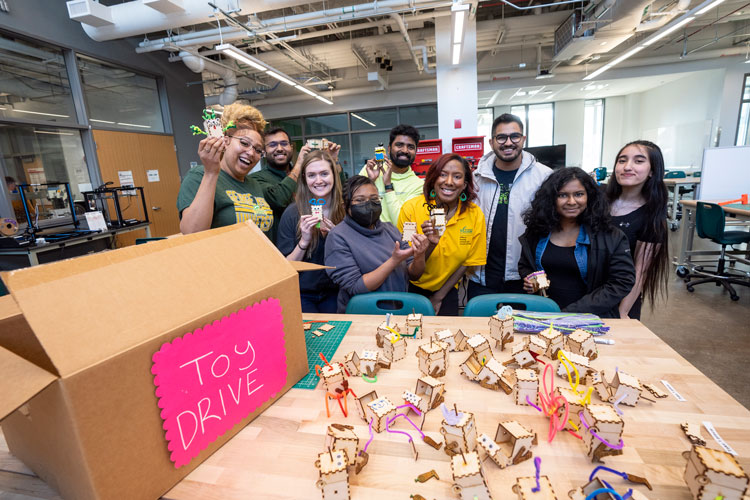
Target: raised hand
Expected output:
[419,244]
[373,170]
[209,151]
[432,234]
[401,254]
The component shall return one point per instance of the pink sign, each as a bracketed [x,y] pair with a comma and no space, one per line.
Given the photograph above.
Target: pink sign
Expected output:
[209,380]
[469,146]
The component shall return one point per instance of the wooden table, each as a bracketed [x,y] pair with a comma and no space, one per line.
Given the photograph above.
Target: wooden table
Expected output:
[685,257]
[272,458]
[673,187]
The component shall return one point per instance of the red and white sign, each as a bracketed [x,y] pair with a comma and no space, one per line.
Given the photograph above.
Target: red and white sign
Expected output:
[209,380]
[470,146]
[428,150]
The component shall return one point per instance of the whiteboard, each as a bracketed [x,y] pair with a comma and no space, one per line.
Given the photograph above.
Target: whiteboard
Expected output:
[725,174]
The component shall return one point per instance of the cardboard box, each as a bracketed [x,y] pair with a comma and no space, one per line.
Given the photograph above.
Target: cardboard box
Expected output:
[77,345]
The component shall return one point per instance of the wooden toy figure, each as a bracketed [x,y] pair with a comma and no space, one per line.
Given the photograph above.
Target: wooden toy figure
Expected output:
[575,407]
[351,362]
[712,474]
[380,410]
[394,347]
[479,345]
[414,325]
[342,437]
[428,395]
[582,342]
[369,362]
[334,475]
[521,356]
[526,386]
[602,431]
[625,388]
[468,477]
[489,373]
[361,403]
[448,337]
[555,341]
[539,282]
[584,491]
[459,430]
[333,377]
[410,229]
[501,330]
[525,488]
[433,358]
[437,216]
[568,360]
[515,440]
[383,330]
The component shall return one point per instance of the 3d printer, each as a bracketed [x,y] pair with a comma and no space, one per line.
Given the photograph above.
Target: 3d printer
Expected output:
[117,204]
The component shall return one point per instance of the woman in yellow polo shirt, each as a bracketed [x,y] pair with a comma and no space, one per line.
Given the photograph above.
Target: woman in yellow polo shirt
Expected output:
[458,245]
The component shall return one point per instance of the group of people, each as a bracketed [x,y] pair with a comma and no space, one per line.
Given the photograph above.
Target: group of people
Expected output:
[602,249]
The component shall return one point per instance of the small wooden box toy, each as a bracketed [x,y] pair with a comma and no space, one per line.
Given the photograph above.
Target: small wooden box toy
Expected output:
[627,386]
[394,348]
[501,331]
[448,337]
[574,408]
[431,391]
[515,440]
[604,420]
[492,450]
[342,437]
[361,404]
[712,474]
[490,373]
[584,491]
[600,385]
[334,475]
[369,362]
[539,282]
[414,320]
[410,228]
[582,342]
[537,345]
[333,377]
[379,410]
[383,330]
[581,363]
[468,477]
[527,385]
[479,345]
[351,363]
[555,341]
[524,485]
[437,217]
[522,355]
[460,432]
[433,358]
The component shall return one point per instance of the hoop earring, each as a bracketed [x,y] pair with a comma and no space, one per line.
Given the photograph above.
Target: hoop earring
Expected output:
[432,193]
[463,197]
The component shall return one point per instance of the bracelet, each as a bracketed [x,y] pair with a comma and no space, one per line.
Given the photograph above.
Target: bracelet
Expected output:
[304,249]
[389,187]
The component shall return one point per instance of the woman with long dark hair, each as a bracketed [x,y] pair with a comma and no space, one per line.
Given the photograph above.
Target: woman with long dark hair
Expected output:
[366,254]
[302,234]
[569,237]
[455,246]
[638,205]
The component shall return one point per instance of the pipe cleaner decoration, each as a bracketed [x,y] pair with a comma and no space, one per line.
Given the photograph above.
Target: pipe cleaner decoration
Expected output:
[211,125]
[538,467]
[535,322]
[617,446]
[550,404]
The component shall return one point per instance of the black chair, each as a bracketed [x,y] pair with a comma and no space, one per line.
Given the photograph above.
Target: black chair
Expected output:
[710,225]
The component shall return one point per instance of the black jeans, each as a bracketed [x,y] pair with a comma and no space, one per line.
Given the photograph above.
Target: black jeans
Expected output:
[449,306]
[475,289]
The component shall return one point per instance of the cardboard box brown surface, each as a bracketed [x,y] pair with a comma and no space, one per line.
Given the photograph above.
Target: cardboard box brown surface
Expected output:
[96,431]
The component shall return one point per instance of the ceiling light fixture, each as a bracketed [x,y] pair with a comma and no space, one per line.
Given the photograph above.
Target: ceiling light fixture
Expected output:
[133,125]
[709,7]
[459,11]
[658,36]
[355,115]
[101,121]
[40,113]
[242,56]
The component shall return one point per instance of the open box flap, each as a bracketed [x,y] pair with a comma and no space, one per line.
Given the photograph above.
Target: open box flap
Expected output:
[300,266]
[20,380]
[90,308]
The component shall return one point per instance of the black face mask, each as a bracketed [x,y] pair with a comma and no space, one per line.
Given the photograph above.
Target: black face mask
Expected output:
[366,214]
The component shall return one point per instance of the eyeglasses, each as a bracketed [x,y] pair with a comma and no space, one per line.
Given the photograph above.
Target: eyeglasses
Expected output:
[247,145]
[362,199]
[514,138]
[274,145]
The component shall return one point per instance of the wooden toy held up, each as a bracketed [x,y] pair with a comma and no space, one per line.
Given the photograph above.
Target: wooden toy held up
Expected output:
[712,474]
[211,125]
[468,477]
[316,209]
[317,144]
[410,229]
[539,282]
[437,217]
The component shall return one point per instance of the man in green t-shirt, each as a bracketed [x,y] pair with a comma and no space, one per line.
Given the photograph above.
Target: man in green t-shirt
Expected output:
[396,181]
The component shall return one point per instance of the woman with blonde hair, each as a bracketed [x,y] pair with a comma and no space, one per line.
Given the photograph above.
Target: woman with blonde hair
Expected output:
[220,192]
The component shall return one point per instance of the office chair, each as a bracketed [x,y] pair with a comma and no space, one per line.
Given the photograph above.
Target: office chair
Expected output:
[675,174]
[399,303]
[143,241]
[710,225]
[487,305]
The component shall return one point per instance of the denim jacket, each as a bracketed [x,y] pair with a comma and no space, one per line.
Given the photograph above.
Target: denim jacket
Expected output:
[580,252]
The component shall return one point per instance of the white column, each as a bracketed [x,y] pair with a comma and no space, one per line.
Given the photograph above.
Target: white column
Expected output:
[456,84]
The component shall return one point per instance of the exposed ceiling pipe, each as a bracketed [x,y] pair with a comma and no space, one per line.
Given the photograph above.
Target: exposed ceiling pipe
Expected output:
[405,34]
[662,18]
[425,64]
[429,82]
[199,64]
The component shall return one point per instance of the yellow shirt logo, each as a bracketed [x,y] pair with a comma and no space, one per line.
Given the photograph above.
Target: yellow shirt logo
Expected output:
[249,207]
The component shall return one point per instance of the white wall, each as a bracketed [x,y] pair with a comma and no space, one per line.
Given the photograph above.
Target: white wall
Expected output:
[730,103]
[569,130]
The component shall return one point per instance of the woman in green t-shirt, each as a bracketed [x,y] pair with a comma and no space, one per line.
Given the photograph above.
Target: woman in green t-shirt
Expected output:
[220,192]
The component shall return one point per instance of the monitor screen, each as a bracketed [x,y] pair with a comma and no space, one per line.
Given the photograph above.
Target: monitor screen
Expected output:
[552,156]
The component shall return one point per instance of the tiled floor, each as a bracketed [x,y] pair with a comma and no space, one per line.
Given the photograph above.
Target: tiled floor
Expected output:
[707,328]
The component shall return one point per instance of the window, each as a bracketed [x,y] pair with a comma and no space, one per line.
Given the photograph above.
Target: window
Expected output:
[743,127]
[485,117]
[369,120]
[120,98]
[35,82]
[426,114]
[326,124]
[292,126]
[593,133]
[538,121]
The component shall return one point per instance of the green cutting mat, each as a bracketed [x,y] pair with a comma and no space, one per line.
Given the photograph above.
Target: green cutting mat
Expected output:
[739,206]
[326,343]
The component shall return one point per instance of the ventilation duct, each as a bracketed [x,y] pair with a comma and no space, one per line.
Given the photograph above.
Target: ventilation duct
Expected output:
[199,65]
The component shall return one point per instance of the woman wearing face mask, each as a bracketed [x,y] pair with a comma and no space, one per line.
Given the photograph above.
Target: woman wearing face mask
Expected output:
[220,192]
[452,249]
[569,237]
[302,236]
[367,255]
[638,204]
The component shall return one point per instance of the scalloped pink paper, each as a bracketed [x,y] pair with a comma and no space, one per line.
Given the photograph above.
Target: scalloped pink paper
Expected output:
[209,380]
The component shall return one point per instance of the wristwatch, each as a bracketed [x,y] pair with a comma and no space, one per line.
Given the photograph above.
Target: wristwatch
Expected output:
[389,187]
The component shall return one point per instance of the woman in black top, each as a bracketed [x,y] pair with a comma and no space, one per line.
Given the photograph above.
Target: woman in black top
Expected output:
[302,235]
[568,235]
[638,205]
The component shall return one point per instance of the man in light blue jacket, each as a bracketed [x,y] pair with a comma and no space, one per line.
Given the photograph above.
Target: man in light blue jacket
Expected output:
[506,179]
